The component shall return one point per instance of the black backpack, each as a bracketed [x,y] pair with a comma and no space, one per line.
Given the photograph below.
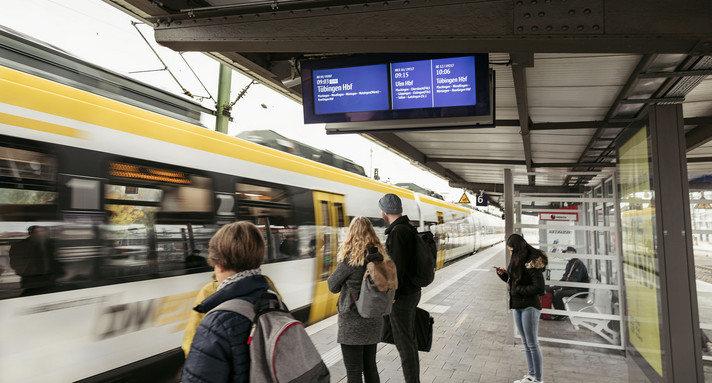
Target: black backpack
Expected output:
[426,256]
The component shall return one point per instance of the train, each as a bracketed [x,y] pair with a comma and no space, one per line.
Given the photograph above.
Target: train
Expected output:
[130,188]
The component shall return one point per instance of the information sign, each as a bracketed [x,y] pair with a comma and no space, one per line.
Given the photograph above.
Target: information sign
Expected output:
[464,199]
[354,89]
[398,91]
[434,83]
[640,263]
[481,200]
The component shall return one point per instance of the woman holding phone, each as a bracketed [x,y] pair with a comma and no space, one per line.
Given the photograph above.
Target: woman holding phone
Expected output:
[525,278]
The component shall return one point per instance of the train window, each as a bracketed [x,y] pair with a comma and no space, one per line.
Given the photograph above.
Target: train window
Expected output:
[28,198]
[271,209]
[25,166]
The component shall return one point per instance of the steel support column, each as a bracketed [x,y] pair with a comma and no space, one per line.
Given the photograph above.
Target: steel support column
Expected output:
[508,230]
[223,103]
[680,337]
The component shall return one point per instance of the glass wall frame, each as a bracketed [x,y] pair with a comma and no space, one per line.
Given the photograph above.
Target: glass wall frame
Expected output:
[590,313]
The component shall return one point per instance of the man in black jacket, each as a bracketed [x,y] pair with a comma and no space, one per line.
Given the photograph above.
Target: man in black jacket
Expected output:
[400,245]
[575,272]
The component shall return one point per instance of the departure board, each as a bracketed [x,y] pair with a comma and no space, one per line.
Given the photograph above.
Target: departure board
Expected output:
[397,91]
[354,89]
[433,83]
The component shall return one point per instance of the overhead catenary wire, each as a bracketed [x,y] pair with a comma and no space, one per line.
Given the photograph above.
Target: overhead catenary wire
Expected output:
[210,96]
[165,67]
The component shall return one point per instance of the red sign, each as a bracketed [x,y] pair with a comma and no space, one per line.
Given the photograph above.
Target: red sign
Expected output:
[559,215]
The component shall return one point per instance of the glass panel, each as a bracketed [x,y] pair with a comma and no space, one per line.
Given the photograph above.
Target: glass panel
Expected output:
[326,231]
[24,166]
[701,215]
[133,193]
[28,213]
[261,193]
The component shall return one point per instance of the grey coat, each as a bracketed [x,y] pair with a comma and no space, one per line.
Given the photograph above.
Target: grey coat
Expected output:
[353,329]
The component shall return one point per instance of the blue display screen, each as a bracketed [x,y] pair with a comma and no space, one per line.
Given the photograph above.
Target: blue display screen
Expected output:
[434,83]
[383,87]
[354,89]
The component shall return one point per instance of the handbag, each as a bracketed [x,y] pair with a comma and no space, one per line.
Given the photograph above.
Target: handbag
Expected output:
[423,330]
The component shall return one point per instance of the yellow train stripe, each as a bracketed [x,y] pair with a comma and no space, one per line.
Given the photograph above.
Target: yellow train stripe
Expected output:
[31,92]
[28,123]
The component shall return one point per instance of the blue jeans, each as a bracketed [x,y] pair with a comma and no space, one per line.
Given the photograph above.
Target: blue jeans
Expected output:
[527,321]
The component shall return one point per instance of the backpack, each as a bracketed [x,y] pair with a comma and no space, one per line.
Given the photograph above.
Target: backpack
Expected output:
[280,349]
[426,256]
[378,289]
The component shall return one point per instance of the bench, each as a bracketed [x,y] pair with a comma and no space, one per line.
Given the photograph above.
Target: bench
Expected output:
[596,301]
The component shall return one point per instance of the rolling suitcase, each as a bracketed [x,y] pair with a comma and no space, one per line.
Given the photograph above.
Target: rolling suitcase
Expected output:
[546,301]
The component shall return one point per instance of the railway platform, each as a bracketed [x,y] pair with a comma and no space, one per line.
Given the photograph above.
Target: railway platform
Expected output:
[468,302]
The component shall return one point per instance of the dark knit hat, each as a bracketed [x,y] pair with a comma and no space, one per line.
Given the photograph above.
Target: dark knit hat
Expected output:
[390,204]
[570,249]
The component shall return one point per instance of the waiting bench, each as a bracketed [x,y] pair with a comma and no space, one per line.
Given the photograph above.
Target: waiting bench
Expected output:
[598,301]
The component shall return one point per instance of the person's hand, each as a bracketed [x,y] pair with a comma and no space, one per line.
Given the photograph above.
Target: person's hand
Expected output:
[499,270]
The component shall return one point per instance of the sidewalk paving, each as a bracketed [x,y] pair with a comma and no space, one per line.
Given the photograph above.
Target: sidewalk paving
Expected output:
[468,302]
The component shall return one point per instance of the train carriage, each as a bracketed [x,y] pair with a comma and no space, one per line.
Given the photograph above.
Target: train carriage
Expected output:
[131,197]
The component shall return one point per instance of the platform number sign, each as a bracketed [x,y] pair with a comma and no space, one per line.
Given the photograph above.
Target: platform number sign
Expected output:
[481,200]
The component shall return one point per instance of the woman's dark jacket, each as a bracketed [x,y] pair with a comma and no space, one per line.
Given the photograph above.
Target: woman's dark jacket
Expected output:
[353,328]
[531,284]
[400,245]
[219,351]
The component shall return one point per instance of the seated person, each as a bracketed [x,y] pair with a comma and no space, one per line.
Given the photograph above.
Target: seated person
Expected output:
[706,344]
[575,272]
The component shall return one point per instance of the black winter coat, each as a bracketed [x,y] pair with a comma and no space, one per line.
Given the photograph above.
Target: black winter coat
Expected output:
[526,292]
[219,352]
[400,246]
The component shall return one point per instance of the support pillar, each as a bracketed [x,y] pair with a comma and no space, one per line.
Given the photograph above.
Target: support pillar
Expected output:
[680,357]
[677,265]
[508,230]
[223,103]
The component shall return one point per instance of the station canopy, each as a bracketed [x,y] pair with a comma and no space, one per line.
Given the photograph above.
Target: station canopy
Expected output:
[570,75]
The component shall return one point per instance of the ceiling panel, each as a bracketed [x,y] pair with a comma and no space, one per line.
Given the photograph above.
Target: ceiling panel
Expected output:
[562,97]
[581,70]
[567,114]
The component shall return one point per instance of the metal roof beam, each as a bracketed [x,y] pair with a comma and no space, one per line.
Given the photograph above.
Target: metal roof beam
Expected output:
[642,66]
[631,26]
[499,188]
[407,150]
[698,136]
[474,161]
[520,61]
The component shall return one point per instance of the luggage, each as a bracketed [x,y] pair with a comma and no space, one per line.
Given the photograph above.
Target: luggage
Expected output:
[546,303]
[378,288]
[423,329]
[280,349]
[426,256]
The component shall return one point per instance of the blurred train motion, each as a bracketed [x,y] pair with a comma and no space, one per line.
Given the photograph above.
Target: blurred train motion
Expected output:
[128,189]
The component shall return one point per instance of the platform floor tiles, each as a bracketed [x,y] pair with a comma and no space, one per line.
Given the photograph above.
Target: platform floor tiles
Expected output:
[468,302]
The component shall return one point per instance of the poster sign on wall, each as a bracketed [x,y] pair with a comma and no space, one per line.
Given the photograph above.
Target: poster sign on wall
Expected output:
[640,263]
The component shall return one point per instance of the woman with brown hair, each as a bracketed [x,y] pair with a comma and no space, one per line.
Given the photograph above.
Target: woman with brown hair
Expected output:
[219,352]
[526,282]
[358,336]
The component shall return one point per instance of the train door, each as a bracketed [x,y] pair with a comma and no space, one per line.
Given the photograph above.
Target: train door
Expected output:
[440,239]
[331,221]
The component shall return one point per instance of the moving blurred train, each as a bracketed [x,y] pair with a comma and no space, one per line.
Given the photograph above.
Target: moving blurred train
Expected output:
[130,188]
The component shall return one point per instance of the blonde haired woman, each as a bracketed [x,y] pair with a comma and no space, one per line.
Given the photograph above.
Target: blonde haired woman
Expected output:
[358,336]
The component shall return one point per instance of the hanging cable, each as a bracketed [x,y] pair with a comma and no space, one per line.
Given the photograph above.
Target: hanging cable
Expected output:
[165,67]
[197,78]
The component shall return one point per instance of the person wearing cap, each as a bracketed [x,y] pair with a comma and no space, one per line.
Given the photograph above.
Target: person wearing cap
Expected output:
[575,272]
[400,245]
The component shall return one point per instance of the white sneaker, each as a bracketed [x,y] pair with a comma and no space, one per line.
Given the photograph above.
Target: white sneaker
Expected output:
[528,379]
